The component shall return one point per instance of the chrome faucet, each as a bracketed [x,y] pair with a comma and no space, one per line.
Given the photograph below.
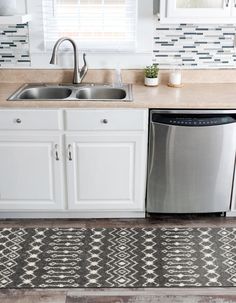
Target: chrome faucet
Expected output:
[78,74]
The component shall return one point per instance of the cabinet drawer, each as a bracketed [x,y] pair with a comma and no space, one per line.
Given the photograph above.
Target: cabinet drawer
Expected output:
[106,119]
[30,120]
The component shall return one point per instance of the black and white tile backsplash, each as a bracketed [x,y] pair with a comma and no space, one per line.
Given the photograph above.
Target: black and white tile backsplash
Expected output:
[195,46]
[14,45]
[180,45]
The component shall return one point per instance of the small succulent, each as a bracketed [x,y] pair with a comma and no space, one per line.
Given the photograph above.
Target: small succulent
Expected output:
[151,71]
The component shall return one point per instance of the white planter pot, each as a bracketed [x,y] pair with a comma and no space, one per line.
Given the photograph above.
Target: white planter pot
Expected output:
[151,81]
[7,7]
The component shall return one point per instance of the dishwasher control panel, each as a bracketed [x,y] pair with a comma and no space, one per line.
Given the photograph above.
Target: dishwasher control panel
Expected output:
[193,120]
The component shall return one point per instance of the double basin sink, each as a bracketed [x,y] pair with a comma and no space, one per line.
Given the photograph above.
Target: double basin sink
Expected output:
[70,92]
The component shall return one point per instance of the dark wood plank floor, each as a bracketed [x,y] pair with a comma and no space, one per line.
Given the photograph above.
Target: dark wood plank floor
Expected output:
[159,221]
[206,295]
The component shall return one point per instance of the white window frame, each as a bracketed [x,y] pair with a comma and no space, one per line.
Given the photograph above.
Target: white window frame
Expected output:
[103,59]
[55,21]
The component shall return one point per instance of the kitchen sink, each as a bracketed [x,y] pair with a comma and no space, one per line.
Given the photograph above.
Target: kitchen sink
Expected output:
[43,93]
[101,93]
[70,92]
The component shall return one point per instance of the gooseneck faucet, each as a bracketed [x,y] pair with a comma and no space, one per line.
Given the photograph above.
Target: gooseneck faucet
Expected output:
[78,74]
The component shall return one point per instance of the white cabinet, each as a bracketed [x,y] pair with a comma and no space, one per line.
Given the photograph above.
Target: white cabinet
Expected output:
[106,120]
[233,11]
[28,120]
[197,11]
[106,159]
[30,172]
[16,19]
[73,163]
[232,212]
[106,171]
[233,205]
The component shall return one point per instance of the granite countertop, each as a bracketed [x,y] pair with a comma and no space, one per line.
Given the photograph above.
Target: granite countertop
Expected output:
[191,96]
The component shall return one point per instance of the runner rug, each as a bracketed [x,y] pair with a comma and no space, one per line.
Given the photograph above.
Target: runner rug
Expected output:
[117,257]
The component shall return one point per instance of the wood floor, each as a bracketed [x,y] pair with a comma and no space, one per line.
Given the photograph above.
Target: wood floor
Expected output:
[204,295]
[135,296]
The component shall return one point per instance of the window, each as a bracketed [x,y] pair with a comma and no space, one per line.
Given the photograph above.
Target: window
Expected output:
[94,24]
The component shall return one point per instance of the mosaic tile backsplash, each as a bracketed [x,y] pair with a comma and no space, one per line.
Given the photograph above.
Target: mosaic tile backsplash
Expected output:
[178,45]
[14,45]
[194,46]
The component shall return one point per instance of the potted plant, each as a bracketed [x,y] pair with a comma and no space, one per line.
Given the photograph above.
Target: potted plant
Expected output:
[151,75]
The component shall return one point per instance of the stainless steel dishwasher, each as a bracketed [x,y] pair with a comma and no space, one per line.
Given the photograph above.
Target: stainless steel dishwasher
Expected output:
[191,161]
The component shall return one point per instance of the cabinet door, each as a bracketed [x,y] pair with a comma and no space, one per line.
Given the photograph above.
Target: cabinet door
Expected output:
[30,172]
[195,10]
[233,13]
[106,172]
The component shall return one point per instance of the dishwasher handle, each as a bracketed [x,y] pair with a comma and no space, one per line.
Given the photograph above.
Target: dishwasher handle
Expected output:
[193,120]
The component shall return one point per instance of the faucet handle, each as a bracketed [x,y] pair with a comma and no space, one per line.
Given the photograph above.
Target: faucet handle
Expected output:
[84,69]
[84,58]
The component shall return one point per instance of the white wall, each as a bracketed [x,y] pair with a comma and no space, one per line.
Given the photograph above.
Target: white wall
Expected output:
[142,56]
[21,6]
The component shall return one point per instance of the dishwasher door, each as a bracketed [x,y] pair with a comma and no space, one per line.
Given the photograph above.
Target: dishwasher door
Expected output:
[191,163]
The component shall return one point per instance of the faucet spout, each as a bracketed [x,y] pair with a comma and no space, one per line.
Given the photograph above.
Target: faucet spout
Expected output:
[76,78]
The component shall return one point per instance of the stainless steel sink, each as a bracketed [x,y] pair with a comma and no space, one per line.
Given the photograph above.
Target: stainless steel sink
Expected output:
[43,93]
[101,93]
[70,92]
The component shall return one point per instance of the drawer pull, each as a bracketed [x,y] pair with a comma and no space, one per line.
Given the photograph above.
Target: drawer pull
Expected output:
[104,121]
[18,121]
[56,152]
[69,152]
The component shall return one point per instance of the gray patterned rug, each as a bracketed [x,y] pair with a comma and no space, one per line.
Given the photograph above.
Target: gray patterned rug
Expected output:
[117,257]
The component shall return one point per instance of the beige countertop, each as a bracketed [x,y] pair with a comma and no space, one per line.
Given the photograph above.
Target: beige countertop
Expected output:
[191,96]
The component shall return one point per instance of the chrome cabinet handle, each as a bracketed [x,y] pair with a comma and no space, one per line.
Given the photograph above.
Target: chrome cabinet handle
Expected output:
[227,3]
[234,3]
[104,121]
[18,121]
[69,152]
[56,152]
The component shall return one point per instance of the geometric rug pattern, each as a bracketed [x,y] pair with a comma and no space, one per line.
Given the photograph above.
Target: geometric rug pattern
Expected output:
[117,257]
